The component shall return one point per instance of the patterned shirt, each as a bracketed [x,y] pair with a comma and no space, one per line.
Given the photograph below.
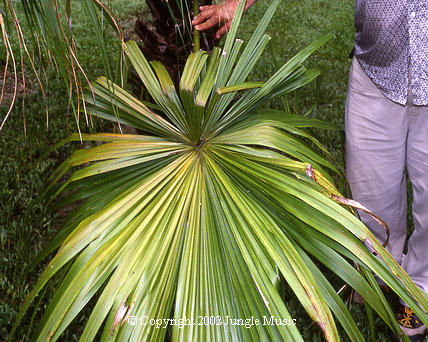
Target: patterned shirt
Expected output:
[391,43]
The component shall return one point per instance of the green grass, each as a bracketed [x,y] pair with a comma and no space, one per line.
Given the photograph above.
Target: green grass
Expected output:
[26,225]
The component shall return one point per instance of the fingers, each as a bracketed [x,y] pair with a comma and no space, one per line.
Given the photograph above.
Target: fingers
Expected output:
[225,28]
[213,15]
[211,22]
[206,13]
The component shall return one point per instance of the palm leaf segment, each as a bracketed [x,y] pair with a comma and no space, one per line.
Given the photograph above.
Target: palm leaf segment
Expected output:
[200,219]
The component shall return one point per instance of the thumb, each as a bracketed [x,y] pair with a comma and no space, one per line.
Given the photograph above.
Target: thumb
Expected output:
[225,28]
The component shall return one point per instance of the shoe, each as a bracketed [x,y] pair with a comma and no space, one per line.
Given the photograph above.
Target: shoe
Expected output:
[410,324]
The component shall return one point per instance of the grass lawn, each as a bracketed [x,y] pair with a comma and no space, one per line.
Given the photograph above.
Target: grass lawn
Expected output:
[26,225]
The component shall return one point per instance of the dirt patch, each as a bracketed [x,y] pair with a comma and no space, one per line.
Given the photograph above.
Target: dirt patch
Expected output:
[7,86]
[128,27]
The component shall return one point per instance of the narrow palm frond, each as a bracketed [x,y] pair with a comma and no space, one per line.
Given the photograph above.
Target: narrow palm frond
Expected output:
[51,28]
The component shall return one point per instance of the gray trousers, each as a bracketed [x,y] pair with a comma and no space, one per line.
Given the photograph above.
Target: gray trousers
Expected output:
[384,138]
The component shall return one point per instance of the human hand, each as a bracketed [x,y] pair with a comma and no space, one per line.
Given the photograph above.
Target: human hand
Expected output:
[220,14]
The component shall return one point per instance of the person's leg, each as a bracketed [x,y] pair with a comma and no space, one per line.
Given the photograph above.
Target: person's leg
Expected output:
[381,137]
[415,262]
[376,133]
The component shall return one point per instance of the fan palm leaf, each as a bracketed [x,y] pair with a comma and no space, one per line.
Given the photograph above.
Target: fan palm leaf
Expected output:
[193,225]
